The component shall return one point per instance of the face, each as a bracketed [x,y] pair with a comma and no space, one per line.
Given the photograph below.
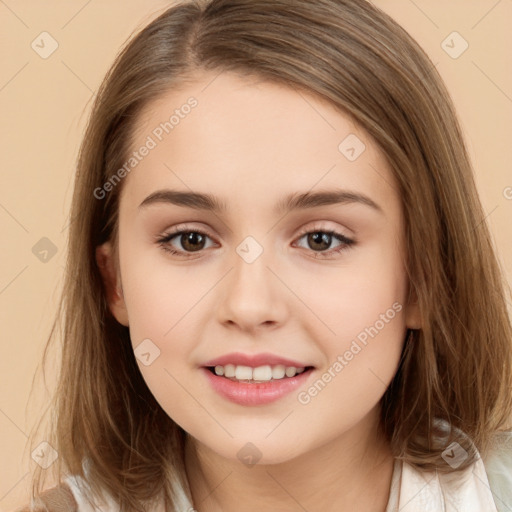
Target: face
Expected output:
[300,265]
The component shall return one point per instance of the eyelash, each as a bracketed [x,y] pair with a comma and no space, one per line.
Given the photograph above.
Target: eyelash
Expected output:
[346,244]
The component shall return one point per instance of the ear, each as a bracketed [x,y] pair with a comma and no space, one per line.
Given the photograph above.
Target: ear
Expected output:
[112,282]
[413,318]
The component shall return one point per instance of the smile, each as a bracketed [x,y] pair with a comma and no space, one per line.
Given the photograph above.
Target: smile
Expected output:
[255,379]
[264,373]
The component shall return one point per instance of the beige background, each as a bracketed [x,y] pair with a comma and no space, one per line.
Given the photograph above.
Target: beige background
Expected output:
[44,105]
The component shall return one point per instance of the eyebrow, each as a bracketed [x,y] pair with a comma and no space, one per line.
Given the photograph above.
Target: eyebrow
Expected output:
[294,201]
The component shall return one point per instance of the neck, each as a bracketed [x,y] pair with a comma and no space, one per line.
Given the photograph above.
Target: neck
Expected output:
[351,472]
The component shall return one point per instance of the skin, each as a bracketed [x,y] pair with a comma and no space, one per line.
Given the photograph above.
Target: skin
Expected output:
[250,143]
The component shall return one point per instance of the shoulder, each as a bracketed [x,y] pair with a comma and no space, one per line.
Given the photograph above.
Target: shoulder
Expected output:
[498,466]
[57,499]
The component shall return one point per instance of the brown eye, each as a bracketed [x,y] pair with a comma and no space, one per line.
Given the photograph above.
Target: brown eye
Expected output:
[184,242]
[192,241]
[319,241]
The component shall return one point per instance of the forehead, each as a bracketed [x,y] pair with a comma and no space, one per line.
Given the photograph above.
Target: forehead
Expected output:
[249,141]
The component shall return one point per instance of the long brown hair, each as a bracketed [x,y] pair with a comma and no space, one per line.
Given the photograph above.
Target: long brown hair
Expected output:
[456,368]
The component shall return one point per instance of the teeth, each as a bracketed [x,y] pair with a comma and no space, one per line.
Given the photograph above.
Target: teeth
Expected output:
[278,372]
[290,372]
[260,374]
[229,370]
[243,373]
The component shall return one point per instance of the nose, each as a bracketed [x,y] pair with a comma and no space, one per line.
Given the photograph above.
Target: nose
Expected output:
[252,297]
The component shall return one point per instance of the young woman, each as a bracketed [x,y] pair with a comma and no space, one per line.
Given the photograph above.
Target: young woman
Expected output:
[280,293]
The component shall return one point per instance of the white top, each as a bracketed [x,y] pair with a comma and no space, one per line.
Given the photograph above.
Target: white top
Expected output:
[411,490]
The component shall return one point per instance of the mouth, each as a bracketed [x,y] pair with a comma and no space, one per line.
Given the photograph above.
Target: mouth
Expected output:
[258,375]
[256,385]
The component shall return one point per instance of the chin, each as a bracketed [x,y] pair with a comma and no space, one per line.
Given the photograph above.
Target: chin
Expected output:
[260,451]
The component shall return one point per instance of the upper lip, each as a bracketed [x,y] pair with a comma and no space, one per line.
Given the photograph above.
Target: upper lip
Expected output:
[254,360]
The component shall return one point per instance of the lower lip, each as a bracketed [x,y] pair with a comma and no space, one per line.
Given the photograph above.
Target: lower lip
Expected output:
[246,393]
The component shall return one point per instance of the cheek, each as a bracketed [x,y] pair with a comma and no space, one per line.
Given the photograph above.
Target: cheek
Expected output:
[362,310]
[161,301]
[159,297]
[361,358]
[369,287]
